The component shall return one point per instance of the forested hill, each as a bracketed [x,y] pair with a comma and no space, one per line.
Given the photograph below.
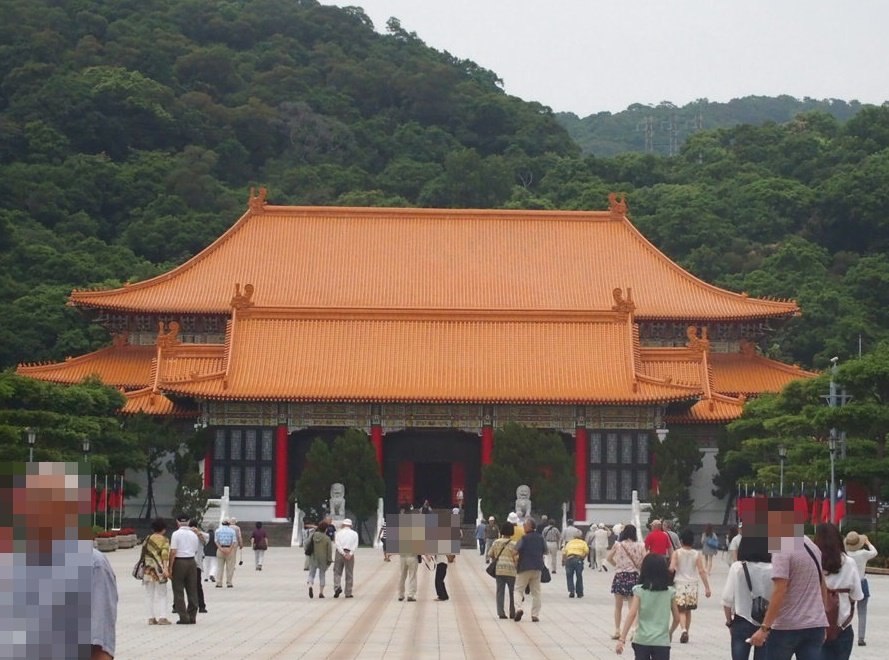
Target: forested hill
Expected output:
[131,130]
[664,128]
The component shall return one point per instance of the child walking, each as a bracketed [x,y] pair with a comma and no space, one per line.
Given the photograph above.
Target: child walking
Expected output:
[652,605]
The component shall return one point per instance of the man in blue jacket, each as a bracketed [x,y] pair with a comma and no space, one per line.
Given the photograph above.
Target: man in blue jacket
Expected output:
[531,548]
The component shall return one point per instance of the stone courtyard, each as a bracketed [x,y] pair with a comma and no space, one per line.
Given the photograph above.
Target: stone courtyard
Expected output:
[268,614]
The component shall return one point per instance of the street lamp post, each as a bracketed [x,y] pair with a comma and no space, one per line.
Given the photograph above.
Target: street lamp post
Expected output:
[782,455]
[872,500]
[836,440]
[86,449]
[32,438]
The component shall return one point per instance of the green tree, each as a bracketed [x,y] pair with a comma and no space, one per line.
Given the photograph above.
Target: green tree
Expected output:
[313,485]
[524,455]
[675,461]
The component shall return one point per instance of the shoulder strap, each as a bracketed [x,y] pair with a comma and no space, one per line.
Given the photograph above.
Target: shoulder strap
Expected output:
[627,553]
[747,576]
[501,550]
[814,559]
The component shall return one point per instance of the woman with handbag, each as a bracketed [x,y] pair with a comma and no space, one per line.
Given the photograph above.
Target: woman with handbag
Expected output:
[626,557]
[155,560]
[504,558]
[709,547]
[745,596]
[841,578]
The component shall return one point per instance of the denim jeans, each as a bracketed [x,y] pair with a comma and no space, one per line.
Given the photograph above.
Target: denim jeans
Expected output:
[805,643]
[840,648]
[643,652]
[574,575]
[741,630]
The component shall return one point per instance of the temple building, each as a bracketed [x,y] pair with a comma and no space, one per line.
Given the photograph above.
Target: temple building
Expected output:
[429,329]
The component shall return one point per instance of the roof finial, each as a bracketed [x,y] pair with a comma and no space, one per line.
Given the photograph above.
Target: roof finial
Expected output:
[621,304]
[242,300]
[748,348]
[256,201]
[700,344]
[617,204]
[169,336]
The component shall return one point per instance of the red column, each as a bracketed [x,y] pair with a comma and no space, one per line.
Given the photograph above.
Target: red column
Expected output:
[376,437]
[208,469]
[281,472]
[487,444]
[581,458]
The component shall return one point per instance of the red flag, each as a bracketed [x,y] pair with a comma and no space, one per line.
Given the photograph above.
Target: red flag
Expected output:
[840,511]
[103,501]
[114,499]
[816,509]
[825,508]
[94,500]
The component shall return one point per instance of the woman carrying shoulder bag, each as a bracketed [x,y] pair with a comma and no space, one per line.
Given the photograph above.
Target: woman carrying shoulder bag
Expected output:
[505,556]
[742,588]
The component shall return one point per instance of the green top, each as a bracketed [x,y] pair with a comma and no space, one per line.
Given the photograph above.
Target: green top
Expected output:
[655,614]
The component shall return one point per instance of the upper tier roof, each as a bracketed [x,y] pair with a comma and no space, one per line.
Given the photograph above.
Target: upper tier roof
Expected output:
[387,258]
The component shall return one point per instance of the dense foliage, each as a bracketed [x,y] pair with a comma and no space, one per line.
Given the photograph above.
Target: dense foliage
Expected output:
[532,457]
[130,131]
[663,128]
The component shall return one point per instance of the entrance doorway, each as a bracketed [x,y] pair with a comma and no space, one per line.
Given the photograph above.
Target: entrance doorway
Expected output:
[432,481]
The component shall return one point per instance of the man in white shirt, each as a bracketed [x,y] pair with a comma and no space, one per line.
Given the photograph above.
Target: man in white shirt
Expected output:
[184,546]
[346,542]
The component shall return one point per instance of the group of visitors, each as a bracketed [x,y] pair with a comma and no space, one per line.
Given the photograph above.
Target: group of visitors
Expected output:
[328,545]
[189,557]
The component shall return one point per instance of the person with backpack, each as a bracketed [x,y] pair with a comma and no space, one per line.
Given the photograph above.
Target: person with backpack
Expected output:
[652,605]
[795,621]
[844,589]
[749,583]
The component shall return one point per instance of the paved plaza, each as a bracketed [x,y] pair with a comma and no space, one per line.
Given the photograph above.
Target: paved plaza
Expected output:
[269,614]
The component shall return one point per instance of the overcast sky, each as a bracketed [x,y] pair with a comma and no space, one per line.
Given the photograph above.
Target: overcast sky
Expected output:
[586,56]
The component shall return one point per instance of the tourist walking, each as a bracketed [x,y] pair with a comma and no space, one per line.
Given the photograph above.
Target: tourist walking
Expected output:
[570,532]
[320,557]
[626,557]
[600,547]
[652,605]
[734,541]
[686,564]
[503,552]
[518,529]
[749,580]
[210,556]
[480,531]
[795,621]
[675,543]
[382,539]
[840,577]
[199,562]
[709,547]
[553,537]
[259,540]
[184,545]
[156,559]
[658,541]
[441,572]
[227,546]
[345,542]
[861,550]
[240,539]
[492,532]
[574,553]
[531,548]
[407,583]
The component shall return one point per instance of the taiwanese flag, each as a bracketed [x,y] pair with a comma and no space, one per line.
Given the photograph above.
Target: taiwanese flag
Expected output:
[94,500]
[114,499]
[800,503]
[102,503]
[825,507]
[816,507]
[840,511]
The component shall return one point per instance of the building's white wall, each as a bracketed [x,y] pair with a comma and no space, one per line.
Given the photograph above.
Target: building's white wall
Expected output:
[252,511]
[164,493]
[610,514]
[707,508]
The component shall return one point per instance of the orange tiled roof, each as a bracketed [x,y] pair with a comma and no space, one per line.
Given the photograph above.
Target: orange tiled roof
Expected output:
[748,373]
[119,366]
[373,355]
[332,257]
[153,403]
[718,409]
[680,365]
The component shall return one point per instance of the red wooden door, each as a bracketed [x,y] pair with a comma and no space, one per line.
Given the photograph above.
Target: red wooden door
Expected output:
[405,483]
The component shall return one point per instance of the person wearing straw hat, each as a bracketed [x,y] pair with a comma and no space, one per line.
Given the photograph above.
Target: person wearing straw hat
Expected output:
[861,550]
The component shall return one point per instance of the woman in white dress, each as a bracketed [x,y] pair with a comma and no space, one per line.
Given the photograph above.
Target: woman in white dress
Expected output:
[686,564]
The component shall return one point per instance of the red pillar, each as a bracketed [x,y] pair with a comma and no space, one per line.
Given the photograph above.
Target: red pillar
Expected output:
[281,472]
[376,437]
[208,469]
[487,444]
[581,458]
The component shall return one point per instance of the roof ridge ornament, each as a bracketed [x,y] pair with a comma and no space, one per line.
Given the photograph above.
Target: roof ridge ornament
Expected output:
[242,300]
[256,200]
[617,204]
[621,304]
[700,344]
[167,337]
[748,348]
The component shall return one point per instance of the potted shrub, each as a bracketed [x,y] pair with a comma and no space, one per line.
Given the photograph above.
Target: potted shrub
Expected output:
[106,541]
[126,538]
